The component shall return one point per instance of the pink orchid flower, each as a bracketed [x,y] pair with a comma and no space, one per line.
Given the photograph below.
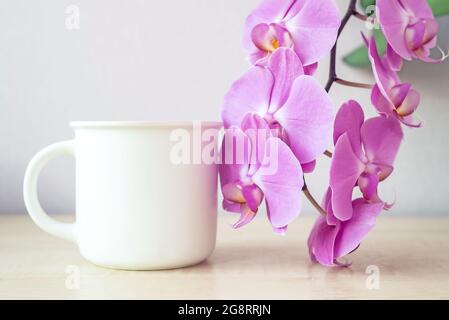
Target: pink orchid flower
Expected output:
[266,168]
[364,155]
[390,96]
[293,104]
[331,239]
[309,27]
[410,28]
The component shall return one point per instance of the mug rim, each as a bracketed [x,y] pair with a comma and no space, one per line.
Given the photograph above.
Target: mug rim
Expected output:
[144,124]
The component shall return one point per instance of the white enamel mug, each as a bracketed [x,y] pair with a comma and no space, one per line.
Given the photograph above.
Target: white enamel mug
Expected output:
[135,208]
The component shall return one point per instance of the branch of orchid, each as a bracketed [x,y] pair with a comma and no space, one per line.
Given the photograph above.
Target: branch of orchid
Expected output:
[360,16]
[332,67]
[353,84]
[312,200]
[328,154]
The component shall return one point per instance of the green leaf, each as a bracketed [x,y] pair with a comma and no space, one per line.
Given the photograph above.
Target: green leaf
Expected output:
[381,42]
[367,3]
[359,57]
[439,7]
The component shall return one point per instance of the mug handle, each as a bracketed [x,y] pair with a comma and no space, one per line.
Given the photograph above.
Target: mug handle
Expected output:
[42,219]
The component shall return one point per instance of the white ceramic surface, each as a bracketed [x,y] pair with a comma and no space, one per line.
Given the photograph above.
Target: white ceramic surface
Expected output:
[135,209]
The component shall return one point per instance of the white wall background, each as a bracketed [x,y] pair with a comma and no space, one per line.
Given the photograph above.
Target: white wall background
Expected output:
[169,60]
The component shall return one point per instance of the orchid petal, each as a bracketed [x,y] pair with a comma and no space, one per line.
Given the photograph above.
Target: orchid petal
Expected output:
[282,231]
[394,20]
[327,206]
[269,11]
[411,121]
[409,104]
[409,27]
[417,8]
[346,169]
[368,185]
[399,92]
[381,138]
[382,104]
[307,117]
[349,120]
[383,171]
[414,35]
[311,69]
[308,167]
[235,156]
[394,60]
[270,37]
[273,10]
[385,79]
[423,55]
[352,232]
[253,196]
[431,31]
[231,206]
[263,36]
[233,192]
[259,58]
[313,37]
[246,216]
[280,179]
[286,67]
[250,94]
[258,132]
[321,242]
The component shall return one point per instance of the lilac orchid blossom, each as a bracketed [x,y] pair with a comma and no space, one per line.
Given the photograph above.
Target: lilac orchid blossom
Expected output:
[331,239]
[294,105]
[364,155]
[410,29]
[285,119]
[390,96]
[309,27]
[267,169]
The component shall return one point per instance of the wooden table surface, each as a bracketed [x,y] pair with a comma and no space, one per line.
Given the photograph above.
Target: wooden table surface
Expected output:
[410,256]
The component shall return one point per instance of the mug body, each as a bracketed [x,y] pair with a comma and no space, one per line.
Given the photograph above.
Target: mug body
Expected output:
[136,208]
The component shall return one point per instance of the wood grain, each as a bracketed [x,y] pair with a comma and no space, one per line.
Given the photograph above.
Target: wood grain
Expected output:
[411,254]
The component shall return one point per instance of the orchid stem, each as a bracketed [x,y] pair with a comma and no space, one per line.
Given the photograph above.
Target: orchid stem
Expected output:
[360,16]
[332,69]
[353,84]
[352,11]
[312,200]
